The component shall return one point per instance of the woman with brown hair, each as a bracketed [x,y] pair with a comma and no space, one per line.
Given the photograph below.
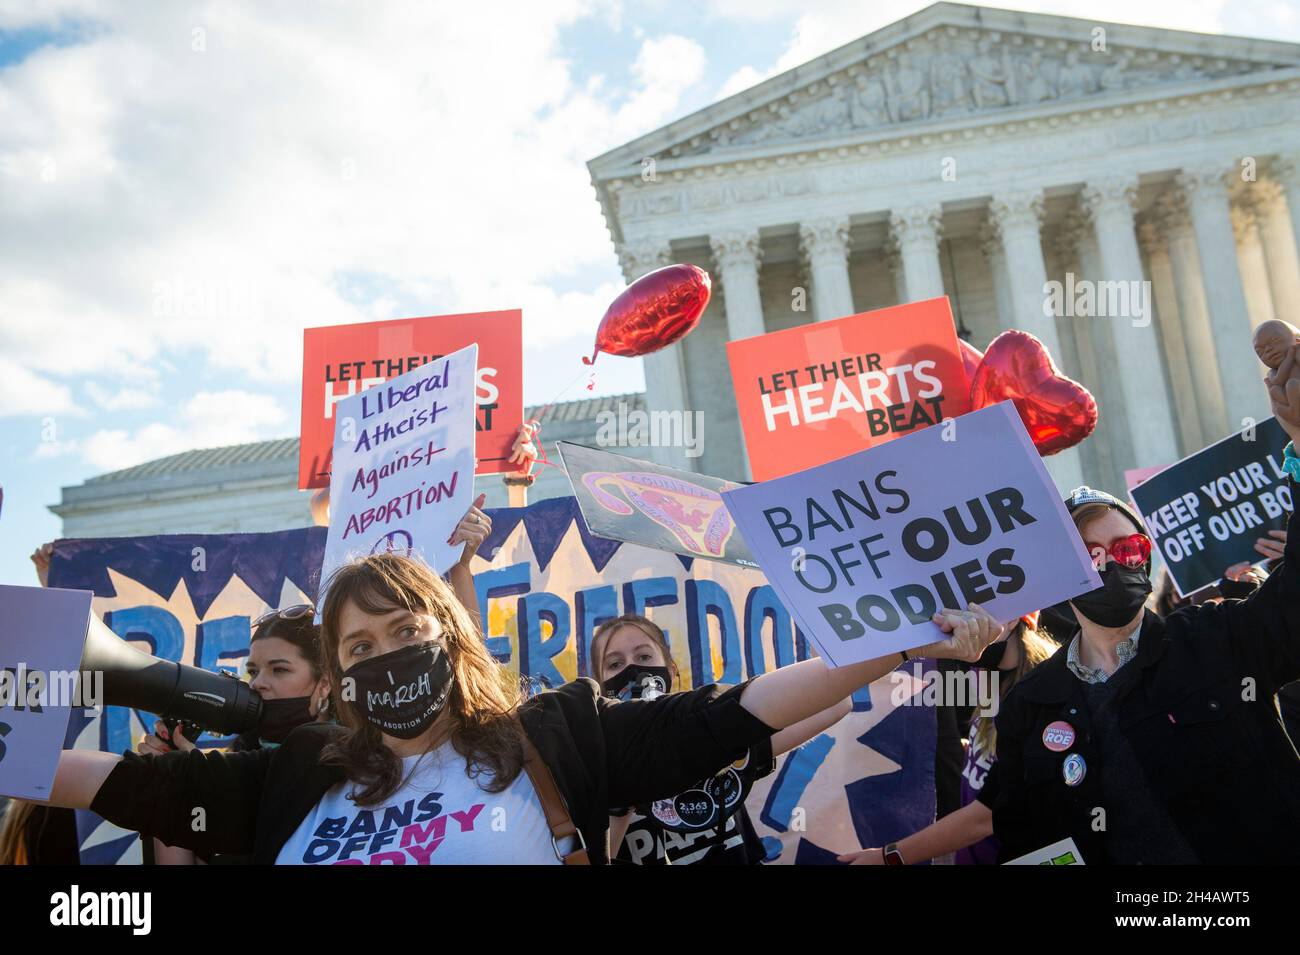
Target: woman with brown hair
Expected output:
[968,831]
[631,659]
[437,752]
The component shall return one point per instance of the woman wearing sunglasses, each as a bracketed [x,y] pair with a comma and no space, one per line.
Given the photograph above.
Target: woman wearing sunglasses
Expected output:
[1151,740]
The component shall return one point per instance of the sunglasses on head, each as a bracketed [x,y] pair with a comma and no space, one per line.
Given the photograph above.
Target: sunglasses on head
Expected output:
[296,612]
[1132,551]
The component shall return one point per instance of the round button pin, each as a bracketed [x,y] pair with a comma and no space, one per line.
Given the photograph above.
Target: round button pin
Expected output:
[1074,769]
[1058,736]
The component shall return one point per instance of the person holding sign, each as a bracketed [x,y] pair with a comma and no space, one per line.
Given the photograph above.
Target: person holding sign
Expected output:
[437,748]
[1156,740]
[968,831]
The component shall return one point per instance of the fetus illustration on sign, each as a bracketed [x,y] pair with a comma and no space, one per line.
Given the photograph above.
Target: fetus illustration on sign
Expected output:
[695,516]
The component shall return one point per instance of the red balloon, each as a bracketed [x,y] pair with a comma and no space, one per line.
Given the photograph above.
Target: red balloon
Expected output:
[656,310]
[1058,412]
[970,358]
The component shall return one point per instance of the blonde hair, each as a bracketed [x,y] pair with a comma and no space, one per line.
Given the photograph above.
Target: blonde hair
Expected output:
[483,700]
[13,832]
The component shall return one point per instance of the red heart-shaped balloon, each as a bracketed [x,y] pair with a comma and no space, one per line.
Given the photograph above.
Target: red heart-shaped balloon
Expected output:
[656,310]
[970,358]
[1058,412]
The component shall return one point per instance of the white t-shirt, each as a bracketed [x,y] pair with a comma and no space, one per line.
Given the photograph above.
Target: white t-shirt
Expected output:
[439,817]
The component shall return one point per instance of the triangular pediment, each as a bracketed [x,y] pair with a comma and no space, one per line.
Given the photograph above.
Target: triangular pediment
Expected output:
[947,62]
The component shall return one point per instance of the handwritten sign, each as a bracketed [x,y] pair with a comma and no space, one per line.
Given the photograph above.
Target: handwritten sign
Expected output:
[404,465]
[42,634]
[814,393]
[339,361]
[627,499]
[865,549]
[1206,512]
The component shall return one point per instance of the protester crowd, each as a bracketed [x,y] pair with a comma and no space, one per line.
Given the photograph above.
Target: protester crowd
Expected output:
[1144,728]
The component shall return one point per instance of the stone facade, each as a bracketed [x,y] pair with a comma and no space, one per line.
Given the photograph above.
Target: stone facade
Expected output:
[979,154]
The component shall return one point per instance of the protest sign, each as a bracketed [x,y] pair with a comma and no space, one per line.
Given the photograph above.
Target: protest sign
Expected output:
[42,633]
[638,502]
[1205,513]
[339,361]
[865,549]
[404,465]
[1064,852]
[814,393]
[544,585]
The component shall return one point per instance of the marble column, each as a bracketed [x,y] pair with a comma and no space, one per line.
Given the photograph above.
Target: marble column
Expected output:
[1206,190]
[1095,454]
[665,370]
[894,259]
[1139,372]
[736,255]
[1179,368]
[1017,215]
[1198,333]
[1285,171]
[1280,256]
[1250,262]
[915,230]
[825,246]
[991,246]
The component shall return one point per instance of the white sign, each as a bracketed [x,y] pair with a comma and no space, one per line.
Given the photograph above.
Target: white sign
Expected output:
[403,473]
[1064,852]
[42,633]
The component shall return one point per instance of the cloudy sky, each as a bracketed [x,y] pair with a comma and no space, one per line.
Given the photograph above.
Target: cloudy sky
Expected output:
[185,186]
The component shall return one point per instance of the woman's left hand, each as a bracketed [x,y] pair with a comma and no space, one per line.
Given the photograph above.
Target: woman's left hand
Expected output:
[971,631]
[472,531]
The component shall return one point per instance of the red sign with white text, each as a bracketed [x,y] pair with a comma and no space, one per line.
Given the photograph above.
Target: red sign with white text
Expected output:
[815,393]
[340,360]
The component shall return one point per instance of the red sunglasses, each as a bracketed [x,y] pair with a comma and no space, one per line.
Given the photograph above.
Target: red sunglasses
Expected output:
[1132,551]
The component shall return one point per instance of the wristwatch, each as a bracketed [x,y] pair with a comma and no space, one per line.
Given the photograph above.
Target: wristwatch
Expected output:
[892,855]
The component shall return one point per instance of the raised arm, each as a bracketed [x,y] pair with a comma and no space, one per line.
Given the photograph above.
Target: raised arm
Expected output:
[793,693]
[957,830]
[804,730]
[81,772]
[472,530]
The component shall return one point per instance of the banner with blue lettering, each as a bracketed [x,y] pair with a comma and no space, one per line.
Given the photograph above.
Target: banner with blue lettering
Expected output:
[544,588]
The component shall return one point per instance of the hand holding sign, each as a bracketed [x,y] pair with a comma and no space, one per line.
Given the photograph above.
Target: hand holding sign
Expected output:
[404,467]
[969,632]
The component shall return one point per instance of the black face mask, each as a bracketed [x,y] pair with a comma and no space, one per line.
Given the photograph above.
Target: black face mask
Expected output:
[403,692]
[1117,601]
[991,658]
[282,716]
[636,682]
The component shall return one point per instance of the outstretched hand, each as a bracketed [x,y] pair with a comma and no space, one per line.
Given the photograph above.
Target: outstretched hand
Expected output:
[970,631]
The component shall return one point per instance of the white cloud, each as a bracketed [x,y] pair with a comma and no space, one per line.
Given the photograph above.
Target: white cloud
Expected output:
[23,392]
[209,419]
[161,200]
[123,399]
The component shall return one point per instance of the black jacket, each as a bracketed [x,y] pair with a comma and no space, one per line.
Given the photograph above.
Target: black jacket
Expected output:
[601,752]
[1198,710]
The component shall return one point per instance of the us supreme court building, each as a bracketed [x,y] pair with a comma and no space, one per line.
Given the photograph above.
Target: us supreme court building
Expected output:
[983,154]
